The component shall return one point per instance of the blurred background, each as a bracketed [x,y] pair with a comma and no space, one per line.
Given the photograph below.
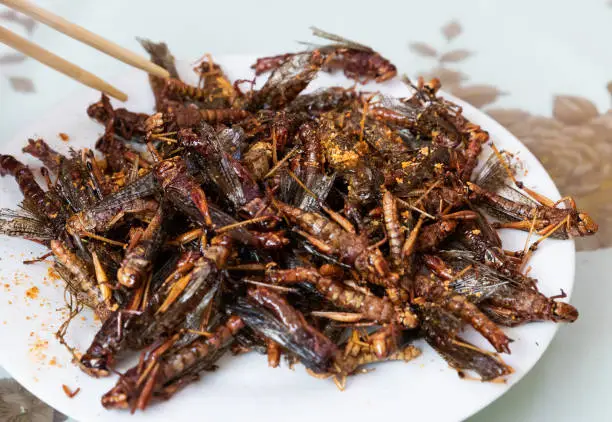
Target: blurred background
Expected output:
[542,69]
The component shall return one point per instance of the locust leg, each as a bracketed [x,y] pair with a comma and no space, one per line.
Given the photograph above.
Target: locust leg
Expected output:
[547,231]
[115,220]
[199,199]
[342,221]
[338,316]
[326,249]
[519,225]
[410,244]
[102,279]
[38,259]
[186,237]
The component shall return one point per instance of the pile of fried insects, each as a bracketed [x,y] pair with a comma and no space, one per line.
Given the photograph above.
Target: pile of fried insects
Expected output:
[333,228]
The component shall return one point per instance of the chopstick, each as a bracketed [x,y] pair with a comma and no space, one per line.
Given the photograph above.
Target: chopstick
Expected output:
[79,33]
[46,57]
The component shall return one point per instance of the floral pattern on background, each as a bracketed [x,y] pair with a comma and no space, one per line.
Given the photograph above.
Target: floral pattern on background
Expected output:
[18,405]
[574,144]
[17,83]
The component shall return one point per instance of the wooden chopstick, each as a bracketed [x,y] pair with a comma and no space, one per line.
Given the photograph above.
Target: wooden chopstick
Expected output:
[46,57]
[85,36]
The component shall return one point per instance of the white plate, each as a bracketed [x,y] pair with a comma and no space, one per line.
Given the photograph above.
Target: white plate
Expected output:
[244,387]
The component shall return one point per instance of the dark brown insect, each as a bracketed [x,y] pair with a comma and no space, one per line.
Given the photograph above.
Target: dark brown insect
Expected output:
[366,306]
[545,218]
[357,61]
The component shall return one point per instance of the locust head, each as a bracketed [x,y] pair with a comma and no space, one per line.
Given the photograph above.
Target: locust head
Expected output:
[384,69]
[586,225]
[564,312]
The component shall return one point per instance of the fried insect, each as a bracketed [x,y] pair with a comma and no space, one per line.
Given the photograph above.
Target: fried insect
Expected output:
[357,61]
[511,306]
[367,305]
[84,286]
[138,260]
[180,187]
[113,336]
[165,370]
[547,218]
[287,81]
[440,328]
[434,291]
[273,317]
[46,205]
[394,231]
[128,125]
[129,200]
[330,238]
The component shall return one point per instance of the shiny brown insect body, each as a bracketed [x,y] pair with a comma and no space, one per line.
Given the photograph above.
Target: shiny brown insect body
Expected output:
[180,188]
[131,199]
[40,149]
[287,81]
[565,222]
[430,121]
[272,316]
[394,230]
[138,260]
[330,238]
[357,61]
[436,292]
[223,115]
[184,90]
[48,207]
[432,235]
[112,337]
[514,306]
[84,288]
[440,328]
[369,306]
[172,369]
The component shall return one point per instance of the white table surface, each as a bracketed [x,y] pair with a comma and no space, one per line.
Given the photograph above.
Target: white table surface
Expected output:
[546,58]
